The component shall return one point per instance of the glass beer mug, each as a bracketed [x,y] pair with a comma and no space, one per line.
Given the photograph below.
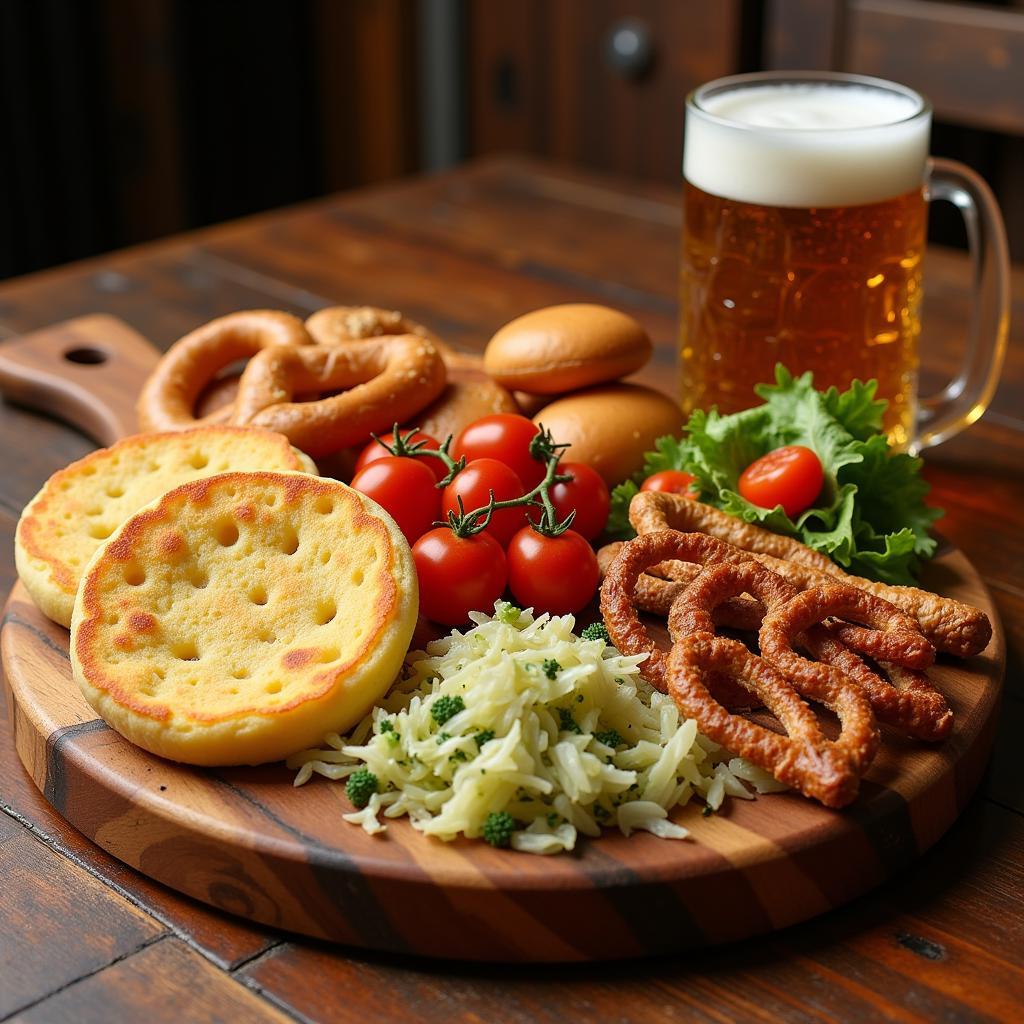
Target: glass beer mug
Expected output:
[805,215]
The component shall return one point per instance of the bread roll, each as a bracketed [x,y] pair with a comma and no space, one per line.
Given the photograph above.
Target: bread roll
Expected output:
[612,426]
[564,348]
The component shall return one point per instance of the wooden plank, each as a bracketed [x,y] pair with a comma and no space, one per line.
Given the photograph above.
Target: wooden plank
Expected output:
[810,973]
[366,63]
[965,58]
[165,982]
[805,34]
[47,899]
[146,137]
[225,940]
[541,82]
[246,841]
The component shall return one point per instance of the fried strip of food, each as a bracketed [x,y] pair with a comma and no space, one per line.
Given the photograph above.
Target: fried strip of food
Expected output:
[691,615]
[804,758]
[902,698]
[655,595]
[626,630]
[909,701]
[951,626]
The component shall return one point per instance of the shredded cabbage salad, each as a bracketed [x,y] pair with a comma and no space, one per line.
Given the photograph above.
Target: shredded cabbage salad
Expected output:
[519,717]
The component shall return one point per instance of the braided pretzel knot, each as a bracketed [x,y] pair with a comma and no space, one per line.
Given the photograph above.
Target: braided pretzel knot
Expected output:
[906,700]
[388,379]
[803,758]
[168,398]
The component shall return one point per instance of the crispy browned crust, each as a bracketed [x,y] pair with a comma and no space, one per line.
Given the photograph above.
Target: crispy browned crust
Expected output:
[803,758]
[32,525]
[618,605]
[951,626]
[122,548]
[901,697]
[387,380]
[691,614]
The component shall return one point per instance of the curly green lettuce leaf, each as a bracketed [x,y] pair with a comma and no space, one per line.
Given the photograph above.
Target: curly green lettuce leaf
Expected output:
[870,518]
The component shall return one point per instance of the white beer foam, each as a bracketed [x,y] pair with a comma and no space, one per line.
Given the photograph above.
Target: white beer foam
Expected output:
[806,145]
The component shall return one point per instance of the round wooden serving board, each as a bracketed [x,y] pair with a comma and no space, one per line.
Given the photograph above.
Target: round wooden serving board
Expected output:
[245,840]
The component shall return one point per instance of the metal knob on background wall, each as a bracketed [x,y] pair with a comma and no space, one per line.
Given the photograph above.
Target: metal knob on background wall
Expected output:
[629,48]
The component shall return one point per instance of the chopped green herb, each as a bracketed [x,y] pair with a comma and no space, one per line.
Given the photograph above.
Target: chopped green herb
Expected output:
[596,631]
[567,722]
[551,668]
[361,785]
[484,736]
[609,737]
[446,707]
[498,828]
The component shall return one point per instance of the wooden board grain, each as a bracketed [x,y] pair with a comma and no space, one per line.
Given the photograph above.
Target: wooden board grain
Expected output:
[247,842]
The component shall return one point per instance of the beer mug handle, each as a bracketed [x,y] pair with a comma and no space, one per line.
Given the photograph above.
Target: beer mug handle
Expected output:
[967,396]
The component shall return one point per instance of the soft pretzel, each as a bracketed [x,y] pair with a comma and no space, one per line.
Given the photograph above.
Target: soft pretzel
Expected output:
[335,324]
[168,398]
[388,379]
[469,392]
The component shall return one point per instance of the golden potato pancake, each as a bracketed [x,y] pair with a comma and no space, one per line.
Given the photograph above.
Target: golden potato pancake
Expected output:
[79,507]
[240,618]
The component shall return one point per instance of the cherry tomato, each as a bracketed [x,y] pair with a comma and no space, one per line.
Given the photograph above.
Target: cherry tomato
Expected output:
[790,477]
[458,575]
[506,437]
[406,489]
[674,481]
[587,493]
[474,484]
[552,574]
[374,452]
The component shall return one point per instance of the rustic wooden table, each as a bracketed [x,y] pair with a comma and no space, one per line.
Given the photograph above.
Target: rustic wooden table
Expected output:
[84,938]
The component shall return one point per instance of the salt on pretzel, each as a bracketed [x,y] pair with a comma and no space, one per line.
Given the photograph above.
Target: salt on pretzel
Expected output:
[168,398]
[951,626]
[469,392]
[335,324]
[386,379]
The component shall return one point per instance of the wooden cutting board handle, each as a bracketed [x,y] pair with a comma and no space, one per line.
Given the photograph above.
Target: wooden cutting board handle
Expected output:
[87,372]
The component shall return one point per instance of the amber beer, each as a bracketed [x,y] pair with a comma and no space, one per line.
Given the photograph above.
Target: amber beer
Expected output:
[804,228]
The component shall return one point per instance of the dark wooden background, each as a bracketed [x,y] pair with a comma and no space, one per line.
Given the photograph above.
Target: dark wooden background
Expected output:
[125,120]
[84,939]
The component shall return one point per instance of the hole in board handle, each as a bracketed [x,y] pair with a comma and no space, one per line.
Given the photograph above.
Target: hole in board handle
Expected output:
[86,356]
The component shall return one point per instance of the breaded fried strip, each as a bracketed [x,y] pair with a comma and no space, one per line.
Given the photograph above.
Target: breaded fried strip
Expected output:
[952,626]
